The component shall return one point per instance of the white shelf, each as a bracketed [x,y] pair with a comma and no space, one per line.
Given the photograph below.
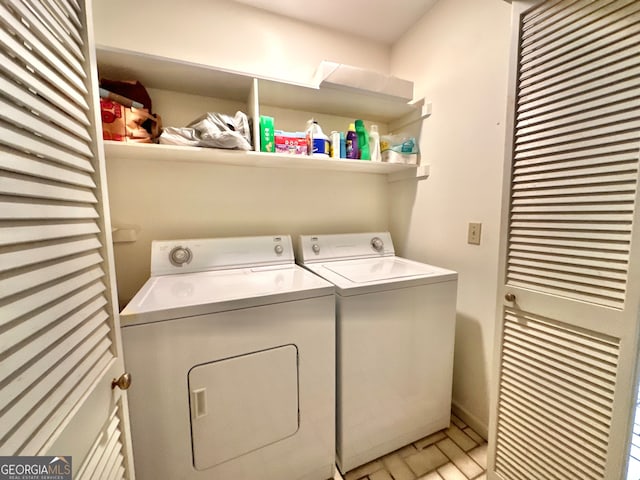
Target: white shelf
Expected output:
[253,159]
[170,74]
[334,101]
[177,75]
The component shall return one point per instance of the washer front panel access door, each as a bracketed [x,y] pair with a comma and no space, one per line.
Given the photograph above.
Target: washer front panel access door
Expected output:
[243,403]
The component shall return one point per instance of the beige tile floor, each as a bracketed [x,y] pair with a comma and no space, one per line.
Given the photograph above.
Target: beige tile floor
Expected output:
[457,453]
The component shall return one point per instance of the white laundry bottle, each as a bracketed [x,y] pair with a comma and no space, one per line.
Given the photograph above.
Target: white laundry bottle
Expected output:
[374,144]
[317,142]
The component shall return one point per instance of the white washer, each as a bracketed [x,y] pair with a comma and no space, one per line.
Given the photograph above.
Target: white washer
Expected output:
[231,348]
[395,334]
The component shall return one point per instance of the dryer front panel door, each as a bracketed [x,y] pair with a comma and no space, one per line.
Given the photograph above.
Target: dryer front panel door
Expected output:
[243,403]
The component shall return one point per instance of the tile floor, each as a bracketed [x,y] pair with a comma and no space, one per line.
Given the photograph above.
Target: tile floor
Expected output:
[457,453]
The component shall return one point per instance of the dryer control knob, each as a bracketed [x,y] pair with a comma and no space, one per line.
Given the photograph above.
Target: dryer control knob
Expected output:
[178,256]
[278,249]
[316,248]
[377,244]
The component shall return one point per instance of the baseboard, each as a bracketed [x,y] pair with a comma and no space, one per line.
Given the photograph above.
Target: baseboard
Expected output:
[479,426]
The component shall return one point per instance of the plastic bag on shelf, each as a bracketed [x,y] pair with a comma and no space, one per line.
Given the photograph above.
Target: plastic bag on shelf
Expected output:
[399,144]
[399,149]
[215,130]
[184,137]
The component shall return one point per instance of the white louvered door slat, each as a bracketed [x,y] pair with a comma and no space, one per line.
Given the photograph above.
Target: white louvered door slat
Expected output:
[63,337]
[38,276]
[579,19]
[86,287]
[37,210]
[44,110]
[48,37]
[16,258]
[579,40]
[17,139]
[11,68]
[35,63]
[61,18]
[24,119]
[541,97]
[17,233]
[100,456]
[55,28]
[570,304]
[48,54]
[17,162]
[60,344]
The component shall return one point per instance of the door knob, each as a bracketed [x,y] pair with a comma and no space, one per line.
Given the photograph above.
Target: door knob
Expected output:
[510,297]
[123,383]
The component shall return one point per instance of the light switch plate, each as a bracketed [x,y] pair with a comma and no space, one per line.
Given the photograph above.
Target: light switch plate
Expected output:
[474,233]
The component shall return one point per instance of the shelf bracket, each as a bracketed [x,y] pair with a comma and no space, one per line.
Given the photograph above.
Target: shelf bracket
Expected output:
[420,173]
[425,110]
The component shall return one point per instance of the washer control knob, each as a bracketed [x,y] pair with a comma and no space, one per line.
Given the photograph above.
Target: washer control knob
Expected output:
[377,244]
[178,256]
[316,248]
[278,249]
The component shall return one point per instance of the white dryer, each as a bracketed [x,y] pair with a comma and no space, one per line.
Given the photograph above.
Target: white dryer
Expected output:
[395,334]
[231,347]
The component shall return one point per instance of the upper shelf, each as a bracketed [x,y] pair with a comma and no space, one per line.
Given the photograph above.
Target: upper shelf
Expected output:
[170,74]
[177,75]
[326,97]
[253,159]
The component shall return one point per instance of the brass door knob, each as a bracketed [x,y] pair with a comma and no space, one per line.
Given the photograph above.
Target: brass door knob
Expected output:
[510,297]
[123,383]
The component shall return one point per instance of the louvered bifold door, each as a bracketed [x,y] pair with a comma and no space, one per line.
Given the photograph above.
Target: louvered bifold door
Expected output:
[56,330]
[569,305]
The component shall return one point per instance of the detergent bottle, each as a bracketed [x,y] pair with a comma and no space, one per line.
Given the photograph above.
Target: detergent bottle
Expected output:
[351,143]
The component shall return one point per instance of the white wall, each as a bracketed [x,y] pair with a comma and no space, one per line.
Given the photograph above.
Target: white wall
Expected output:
[172,200]
[232,36]
[457,55]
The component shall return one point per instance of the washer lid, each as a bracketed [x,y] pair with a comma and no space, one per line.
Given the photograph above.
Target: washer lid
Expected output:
[366,275]
[166,297]
[379,269]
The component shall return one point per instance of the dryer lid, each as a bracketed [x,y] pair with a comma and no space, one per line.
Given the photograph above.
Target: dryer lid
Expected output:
[167,297]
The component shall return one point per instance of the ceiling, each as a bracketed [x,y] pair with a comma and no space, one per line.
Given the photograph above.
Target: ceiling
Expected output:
[381,20]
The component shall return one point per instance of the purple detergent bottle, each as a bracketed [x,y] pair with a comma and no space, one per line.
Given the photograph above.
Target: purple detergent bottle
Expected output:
[353,152]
